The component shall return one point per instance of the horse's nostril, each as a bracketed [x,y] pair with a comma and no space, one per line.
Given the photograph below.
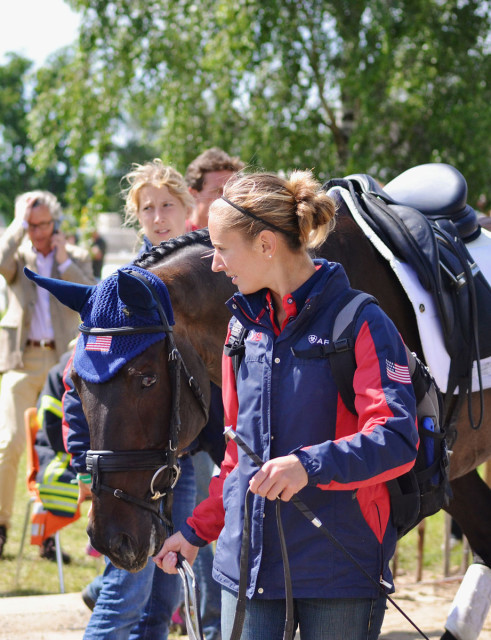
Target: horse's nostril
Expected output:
[122,543]
[125,552]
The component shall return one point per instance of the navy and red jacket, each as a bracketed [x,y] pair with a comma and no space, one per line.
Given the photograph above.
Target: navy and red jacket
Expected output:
[282,404]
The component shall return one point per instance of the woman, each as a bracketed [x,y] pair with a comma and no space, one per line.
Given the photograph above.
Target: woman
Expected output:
[289,412]
[158,201]
[140,605]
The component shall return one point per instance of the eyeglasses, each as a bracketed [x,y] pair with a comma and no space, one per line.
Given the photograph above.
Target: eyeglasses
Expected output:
[42,226]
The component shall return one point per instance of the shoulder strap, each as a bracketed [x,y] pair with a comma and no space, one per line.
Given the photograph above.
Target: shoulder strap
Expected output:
[342,355]
[235,347]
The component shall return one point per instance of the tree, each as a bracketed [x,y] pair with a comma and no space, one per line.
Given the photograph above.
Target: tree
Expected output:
[338,86]
[16,173]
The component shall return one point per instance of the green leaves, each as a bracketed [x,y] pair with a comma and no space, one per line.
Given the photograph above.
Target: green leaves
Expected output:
[337,86]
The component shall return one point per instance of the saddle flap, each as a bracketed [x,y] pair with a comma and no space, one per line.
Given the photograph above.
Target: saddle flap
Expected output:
[413,239]
[410,236]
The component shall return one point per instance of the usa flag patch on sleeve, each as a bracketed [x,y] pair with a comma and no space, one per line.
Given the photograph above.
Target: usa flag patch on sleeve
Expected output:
[98,343]
[398,372]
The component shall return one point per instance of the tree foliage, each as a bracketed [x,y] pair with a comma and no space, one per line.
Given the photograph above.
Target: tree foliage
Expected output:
[339,86]
[15,173]
[17,94]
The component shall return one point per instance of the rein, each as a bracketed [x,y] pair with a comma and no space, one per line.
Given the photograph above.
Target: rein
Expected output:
[314,520]
[163,462]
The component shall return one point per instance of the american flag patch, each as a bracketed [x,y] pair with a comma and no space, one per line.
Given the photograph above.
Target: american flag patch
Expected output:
[398,372]
[98,343]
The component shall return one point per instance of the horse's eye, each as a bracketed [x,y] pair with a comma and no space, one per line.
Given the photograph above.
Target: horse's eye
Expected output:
[148,381]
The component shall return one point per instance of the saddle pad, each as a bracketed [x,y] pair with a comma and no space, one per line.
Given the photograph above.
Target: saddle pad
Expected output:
[431,335]
[480,250]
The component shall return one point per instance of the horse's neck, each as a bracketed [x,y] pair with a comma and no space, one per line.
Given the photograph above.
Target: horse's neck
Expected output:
[201,314]
[366,271]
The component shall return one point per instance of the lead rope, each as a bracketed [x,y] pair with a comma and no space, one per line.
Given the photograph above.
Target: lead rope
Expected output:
[240,609]
[289,630]
[313,519]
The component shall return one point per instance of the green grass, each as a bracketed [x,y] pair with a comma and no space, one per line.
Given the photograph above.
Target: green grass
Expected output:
[37,575]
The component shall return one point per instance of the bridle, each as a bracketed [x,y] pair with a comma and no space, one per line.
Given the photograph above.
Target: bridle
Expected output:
[163,462]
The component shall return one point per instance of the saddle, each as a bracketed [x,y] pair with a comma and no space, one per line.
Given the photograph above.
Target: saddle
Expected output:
[423,218]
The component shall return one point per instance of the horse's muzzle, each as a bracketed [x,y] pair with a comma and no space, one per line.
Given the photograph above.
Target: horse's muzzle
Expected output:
[124,550]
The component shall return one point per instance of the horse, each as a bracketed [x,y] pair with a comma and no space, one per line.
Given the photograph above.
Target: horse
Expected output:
[124,531]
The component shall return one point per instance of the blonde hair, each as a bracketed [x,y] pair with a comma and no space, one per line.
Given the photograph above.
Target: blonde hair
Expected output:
[159,175]
[295,206]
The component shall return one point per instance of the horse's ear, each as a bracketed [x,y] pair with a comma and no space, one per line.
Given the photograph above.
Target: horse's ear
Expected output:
[71,294]
[134,293]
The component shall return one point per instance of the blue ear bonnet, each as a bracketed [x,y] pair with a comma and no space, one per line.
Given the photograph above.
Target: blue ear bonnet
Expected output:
[119,300]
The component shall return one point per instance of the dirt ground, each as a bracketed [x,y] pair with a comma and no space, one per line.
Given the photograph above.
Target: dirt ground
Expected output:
[63,617]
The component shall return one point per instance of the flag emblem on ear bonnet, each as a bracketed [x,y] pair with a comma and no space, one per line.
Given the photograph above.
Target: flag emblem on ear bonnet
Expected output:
[119,300]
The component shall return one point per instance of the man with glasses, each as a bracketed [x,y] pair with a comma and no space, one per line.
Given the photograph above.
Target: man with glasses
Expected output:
[35,329]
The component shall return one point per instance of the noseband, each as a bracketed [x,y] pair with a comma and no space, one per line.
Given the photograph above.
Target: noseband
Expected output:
[163,462]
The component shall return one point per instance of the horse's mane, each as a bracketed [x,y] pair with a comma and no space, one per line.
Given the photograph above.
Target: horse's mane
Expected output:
[164,249]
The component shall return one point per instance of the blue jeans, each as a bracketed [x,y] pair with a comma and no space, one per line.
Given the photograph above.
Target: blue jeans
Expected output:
[317,618]
[139,606]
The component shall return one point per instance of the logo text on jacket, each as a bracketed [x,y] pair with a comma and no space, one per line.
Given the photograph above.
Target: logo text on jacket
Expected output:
[313,339]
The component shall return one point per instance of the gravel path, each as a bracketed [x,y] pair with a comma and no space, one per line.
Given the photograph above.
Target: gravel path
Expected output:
[63,617]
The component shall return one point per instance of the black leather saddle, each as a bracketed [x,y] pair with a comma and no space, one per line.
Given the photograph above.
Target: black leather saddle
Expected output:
[423,217]
[437,190]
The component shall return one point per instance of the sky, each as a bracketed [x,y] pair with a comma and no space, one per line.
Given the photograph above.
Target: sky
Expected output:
[36,28]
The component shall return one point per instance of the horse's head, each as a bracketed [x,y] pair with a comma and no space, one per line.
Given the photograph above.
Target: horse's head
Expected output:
[127,371]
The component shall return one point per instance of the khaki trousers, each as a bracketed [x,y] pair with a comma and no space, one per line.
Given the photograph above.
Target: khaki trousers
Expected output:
[19,390]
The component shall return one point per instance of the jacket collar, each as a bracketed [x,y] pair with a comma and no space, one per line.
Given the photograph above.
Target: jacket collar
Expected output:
[251,309]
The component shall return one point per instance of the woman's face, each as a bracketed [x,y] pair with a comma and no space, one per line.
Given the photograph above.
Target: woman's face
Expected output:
[161,214]
[239,257]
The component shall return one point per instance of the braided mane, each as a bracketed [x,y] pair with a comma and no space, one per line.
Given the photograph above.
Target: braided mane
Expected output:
[164,249]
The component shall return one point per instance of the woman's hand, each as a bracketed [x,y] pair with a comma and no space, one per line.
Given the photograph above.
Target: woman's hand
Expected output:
[281,477]
[166,558]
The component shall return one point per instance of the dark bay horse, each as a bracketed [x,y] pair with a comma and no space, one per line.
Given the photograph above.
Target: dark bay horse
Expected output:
[144,404]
